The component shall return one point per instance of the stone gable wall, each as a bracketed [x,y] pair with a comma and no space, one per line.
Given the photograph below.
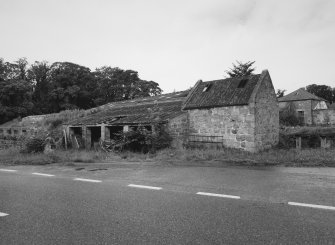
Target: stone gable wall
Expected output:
[266,116]
[178,128]
[230,126]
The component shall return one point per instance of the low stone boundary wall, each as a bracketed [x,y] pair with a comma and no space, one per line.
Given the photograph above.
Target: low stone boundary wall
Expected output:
[5,143]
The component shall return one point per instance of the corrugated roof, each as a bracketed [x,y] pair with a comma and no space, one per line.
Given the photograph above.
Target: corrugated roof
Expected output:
[225,92]
[139,111]
[300,94]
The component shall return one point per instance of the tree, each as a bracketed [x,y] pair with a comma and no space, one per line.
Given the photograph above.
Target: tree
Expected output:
[42,88]
[144,88]
[115,84]
[71,87]
[39,75]
[15,99]
[241,69]
[280,93]
[323,91]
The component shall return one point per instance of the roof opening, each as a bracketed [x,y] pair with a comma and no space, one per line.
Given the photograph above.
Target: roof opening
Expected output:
[206,88]
[242,83]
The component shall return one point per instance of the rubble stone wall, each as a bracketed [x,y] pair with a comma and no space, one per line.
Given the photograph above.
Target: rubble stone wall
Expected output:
[266,116]
[231,126]
[177,128]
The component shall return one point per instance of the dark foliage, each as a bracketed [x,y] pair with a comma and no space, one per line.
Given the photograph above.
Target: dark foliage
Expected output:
[34,144]
[241,69]
[144,140]
[42,88]
[280,93]
[323,91]
[288,116]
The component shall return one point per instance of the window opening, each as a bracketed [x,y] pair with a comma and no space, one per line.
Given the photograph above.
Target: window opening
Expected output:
[242,83]
[206,88]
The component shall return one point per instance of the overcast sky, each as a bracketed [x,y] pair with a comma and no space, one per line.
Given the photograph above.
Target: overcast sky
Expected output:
[176,42]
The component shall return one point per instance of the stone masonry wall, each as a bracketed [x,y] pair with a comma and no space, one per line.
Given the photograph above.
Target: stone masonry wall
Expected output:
[177,128]
[304,105]
[266,116]
[231,126]
[324,117]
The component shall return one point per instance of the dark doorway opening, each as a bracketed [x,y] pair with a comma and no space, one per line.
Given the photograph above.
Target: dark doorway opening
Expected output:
[115,132]
[76,137]
[95,135]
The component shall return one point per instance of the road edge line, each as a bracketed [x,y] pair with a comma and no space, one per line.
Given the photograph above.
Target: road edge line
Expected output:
[311,205]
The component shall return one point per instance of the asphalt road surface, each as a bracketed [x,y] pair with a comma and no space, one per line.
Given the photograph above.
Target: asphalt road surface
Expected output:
[135,204]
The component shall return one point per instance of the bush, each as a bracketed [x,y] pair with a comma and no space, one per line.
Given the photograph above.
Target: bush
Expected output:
[144,140]
[35,144]
[286,141]
[55,123]
[288,116]
[289,119]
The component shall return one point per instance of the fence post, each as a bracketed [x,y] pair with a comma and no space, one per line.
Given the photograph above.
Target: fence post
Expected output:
[298,142]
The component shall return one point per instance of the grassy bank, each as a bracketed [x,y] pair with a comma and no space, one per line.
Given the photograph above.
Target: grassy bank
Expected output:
[306,157]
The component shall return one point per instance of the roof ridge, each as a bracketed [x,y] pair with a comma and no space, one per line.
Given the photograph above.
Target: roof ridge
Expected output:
[304,95]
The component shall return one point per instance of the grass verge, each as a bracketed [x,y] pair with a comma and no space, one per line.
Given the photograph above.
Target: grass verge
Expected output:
[195,157]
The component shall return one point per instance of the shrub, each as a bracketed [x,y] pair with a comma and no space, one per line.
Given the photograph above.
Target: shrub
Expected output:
[288,116]
[55,123]
[286,141]
[35,144]
[144,140]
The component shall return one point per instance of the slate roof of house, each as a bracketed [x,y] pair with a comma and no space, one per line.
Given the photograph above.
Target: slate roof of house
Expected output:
[138,111]
[224,92]
[300,94]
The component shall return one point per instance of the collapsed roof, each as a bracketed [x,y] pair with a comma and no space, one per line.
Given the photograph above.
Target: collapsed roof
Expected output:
[138,111]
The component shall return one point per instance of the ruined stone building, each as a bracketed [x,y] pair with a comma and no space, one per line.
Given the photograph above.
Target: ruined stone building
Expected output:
[234,112]
[237,112]
[309,108]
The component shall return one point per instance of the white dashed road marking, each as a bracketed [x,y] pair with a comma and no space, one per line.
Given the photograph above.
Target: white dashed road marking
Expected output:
[217,195]
[145,187]
[311,205]
[3,214]
[7,170]
[88,180]
[46,175]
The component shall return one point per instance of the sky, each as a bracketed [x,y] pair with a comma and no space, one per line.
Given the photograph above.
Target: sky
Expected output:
[177,42]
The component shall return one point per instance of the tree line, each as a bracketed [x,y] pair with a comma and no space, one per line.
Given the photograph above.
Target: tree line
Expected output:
[42,88]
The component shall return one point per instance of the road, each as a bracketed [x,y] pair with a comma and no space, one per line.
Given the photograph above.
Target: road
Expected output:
[138,204]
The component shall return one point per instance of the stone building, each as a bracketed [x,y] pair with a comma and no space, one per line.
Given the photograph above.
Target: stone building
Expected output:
[116,117]
[235,112]
[309,108]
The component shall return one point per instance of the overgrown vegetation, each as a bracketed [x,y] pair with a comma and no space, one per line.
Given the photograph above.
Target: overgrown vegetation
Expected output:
[288,116]
[194,157]
[142,140]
